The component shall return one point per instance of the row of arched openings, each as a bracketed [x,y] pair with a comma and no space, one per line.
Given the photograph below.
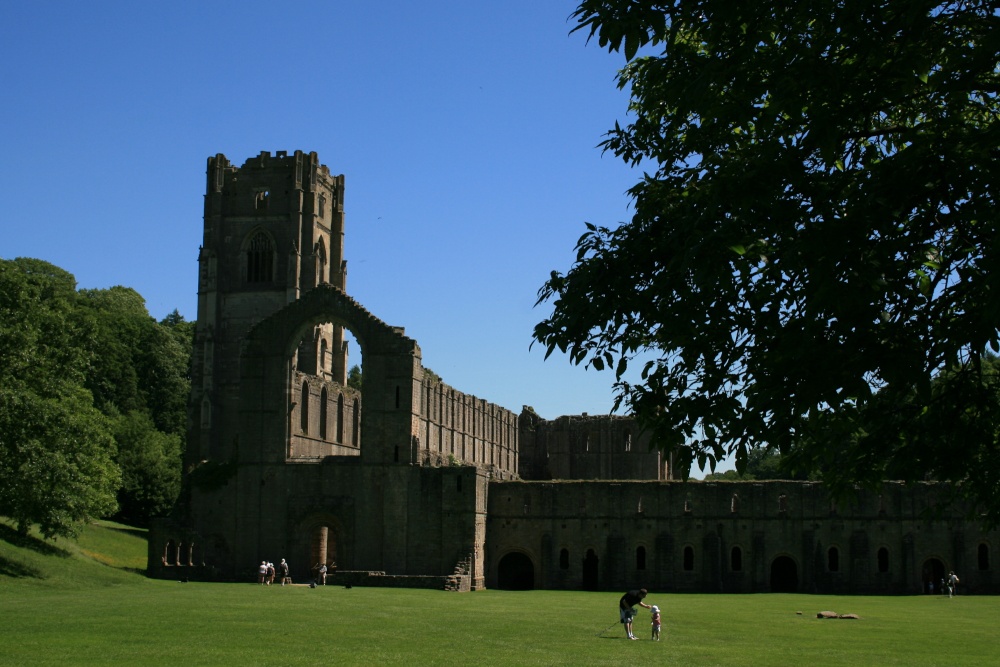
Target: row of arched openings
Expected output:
[178,553]
[324,406]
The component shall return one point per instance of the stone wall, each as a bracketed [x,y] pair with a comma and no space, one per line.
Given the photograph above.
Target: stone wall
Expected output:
[457,428]
[736,537]
[587,447]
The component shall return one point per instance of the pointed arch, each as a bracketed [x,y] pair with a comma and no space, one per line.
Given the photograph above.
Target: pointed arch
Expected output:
[258,257]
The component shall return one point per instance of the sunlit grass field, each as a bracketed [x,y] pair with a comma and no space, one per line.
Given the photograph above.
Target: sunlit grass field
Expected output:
[82,604]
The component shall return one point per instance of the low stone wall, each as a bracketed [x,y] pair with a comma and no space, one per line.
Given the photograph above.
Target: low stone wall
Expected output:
[383,580]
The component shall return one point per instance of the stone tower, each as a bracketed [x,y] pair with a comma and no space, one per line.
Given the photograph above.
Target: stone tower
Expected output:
[274,229]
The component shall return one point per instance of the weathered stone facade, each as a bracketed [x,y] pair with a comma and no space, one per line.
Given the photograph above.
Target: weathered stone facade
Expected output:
[410,482]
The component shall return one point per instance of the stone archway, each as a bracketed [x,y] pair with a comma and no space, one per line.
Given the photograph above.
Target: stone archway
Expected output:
[932,575]
[515,572]
[784,575]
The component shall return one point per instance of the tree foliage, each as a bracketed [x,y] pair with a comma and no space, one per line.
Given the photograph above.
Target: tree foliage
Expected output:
[140,379]
[814,238]
[56,453]
[150,462]
[93,396]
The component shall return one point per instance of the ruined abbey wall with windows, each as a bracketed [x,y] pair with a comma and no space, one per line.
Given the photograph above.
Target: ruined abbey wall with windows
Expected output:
[411,482]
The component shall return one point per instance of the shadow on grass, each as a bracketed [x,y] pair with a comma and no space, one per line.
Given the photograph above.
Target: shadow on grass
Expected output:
[11,536]
[135,532]
[12,568]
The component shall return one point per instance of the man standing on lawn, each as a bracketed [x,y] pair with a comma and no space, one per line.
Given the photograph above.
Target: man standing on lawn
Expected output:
[626,608]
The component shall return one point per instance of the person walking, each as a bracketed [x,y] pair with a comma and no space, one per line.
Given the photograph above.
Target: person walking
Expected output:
[952,584]
[284,573]
[626,608]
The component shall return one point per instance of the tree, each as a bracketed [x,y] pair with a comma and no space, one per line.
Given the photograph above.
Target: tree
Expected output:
[140,378]
[150,462]
[355,377]
[812,242]
[56,465]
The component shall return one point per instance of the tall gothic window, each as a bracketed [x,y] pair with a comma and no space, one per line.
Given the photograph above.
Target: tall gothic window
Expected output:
[304,408]
[260,259]
[322,413]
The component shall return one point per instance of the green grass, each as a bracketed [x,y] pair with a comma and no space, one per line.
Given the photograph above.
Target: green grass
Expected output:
[81,605]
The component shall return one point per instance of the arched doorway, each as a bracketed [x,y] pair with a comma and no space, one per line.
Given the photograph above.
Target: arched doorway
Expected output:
[932,575]
[515,572]
[784,575]
[590,563]
[322,549]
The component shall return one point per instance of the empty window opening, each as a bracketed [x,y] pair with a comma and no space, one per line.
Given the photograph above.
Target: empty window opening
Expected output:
[983,556]
[340,418]
[782,503]
[640,558]
[736,559]
[833,559]
[688,558]
[261,199]
[883,560]
[564,559]
[304,408]
[323,408]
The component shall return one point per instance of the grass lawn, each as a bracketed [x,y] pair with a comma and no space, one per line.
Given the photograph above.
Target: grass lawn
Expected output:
[79,605]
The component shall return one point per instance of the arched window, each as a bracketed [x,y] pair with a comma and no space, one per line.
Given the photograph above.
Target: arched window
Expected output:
[688,558]
[734,504]
[322,413]
[321,263]
[260,258]
[640,558]
[883,560]
[324,357]
[340,418]
[983,556]
[736,559]
[564,559]
[356,423]
[260,200]
[833,559]
[304,408]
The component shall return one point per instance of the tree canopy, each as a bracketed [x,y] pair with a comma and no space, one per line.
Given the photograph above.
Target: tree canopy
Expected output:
[93,395]
[56,453]
[814,236]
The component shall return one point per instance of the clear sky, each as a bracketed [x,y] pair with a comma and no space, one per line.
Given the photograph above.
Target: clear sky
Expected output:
[466,131]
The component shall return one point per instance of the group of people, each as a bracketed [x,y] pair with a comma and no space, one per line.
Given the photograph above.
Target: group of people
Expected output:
[626,612]
[266,573]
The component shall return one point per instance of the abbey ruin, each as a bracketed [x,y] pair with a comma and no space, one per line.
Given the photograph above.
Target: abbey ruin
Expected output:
[410,482]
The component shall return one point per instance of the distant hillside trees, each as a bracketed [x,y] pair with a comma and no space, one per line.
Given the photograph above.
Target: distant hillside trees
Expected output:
[93,395]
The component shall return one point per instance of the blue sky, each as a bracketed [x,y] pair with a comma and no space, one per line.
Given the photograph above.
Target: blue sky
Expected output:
[467,133]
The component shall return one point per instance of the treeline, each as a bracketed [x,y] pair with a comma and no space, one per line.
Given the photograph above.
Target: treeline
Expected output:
[93,401]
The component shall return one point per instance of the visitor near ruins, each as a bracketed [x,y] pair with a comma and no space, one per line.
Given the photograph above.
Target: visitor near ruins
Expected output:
[626,608]
[952,584]
[655,611]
